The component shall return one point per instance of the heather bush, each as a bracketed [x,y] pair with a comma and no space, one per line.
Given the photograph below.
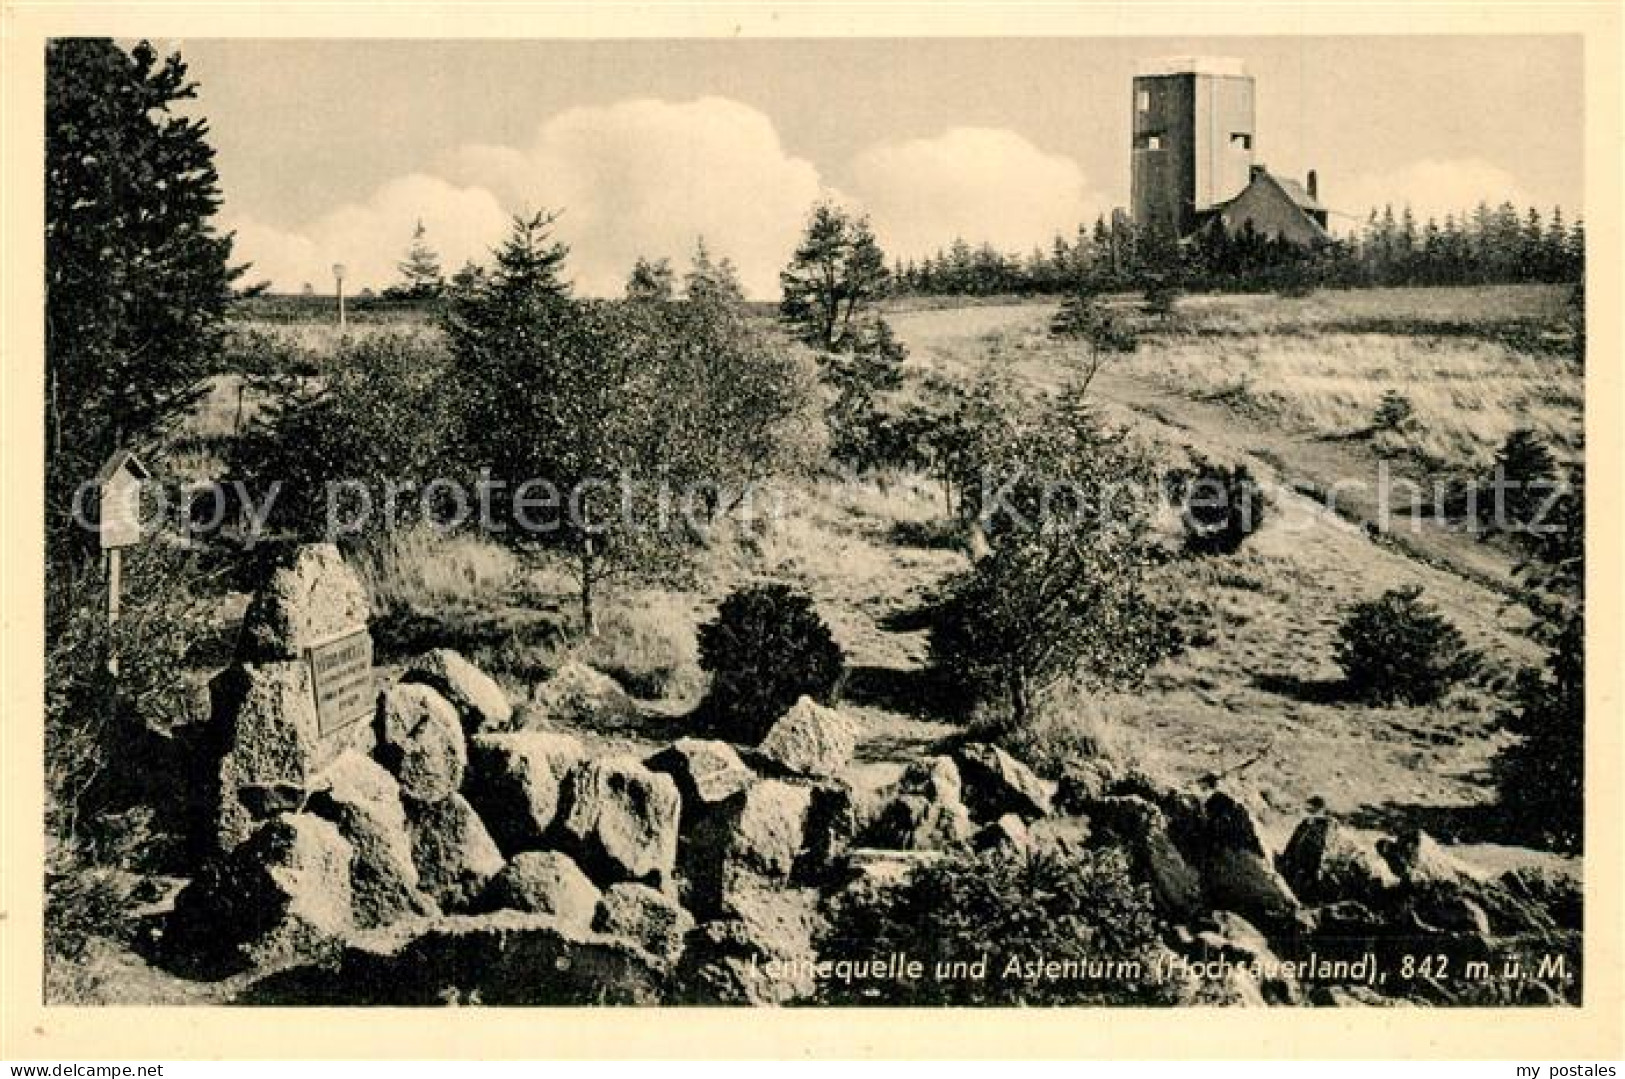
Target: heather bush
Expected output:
[1397,649]
[766,648]
[1072,905]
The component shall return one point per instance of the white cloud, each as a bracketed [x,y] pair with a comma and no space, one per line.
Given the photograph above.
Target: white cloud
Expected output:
[1432,188]
[647,177]
[370,238]
[974,182]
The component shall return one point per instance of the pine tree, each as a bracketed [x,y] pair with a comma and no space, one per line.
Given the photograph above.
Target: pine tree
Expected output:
[652,282]
[137,280]
[421,278]
[835,275]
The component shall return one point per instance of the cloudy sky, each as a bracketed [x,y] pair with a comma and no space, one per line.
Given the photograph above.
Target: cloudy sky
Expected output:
[331,151]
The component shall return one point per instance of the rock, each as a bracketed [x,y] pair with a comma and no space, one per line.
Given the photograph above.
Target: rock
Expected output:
[834,819]
[995,783]
[308,597]
[1232,825]
[915,822]
[760,954]
[1081,784]
[515,781]
[811,740]
[1559,894]
[577,695]
[1443,907]
[455,855]
[504,958]
[1142,830]
[619,821]
[1324,862]
[281,895]
[650,919]
[870,869]
[1245,882]
[544,882]
[752,839]
[420,741]
[481,704]
[707,772]
[1348,996]
[1008,833]
[1416,858]
[1234,938]
[270,744]
[936,778]
[364,802]
[1061,834]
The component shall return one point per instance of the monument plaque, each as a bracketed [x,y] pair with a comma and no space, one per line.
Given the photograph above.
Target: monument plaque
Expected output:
[341,677]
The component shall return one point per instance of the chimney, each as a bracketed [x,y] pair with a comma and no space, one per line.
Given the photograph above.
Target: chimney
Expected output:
[1313,184]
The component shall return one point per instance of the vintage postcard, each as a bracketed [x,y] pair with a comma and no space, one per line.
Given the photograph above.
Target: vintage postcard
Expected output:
[735,522]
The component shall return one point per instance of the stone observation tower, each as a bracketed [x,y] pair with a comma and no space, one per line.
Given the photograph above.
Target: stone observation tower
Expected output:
[1193,163]
[1193,139]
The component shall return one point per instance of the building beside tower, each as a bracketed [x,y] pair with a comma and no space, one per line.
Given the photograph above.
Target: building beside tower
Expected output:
[1193,157]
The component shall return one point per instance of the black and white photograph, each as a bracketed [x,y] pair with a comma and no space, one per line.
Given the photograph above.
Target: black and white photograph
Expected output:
[816,522]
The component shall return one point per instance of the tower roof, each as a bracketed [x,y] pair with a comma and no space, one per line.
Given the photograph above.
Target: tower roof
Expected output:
[1192,65]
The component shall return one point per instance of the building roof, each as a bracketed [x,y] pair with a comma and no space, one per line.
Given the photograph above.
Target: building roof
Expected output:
[1295,191]
[1192,65]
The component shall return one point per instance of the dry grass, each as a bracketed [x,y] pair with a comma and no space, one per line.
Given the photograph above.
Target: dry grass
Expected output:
[1468,395]
[1421,307]
[420,567]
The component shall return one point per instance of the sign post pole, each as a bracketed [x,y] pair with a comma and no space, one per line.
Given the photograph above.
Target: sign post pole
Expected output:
[118,525]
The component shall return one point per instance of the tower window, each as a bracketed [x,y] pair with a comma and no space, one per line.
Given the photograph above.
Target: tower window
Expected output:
[1143,100]
[1149,142]
[1241,140]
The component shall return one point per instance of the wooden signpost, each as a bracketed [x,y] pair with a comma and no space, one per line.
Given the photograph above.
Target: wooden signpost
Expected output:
[118,525]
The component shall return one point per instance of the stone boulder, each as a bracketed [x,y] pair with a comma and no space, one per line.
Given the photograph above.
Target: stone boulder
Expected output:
[759,954]
[503,958]
[652,920]
[619,821]
[917,822]
[834,819]
[578,696]
[363,800]
[707,772]
[481,704]
[936,778]
[280,896]
[1238,873]
[1081,784]
[1232,937]
[420,741]
[1141,829]
[753,839]
[515,782]
[995,783]
[455,855]
[308,596]
[544,882]
[811,740]
[271,745]
[1416,858]
[1325,861]
[1008,833]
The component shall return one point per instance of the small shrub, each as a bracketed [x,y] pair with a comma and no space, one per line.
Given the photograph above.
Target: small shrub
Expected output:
[766,648]
[1219,506]
[1395,414]
[1520,484]
[1161,297]
[1078,906]
[1398,649]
